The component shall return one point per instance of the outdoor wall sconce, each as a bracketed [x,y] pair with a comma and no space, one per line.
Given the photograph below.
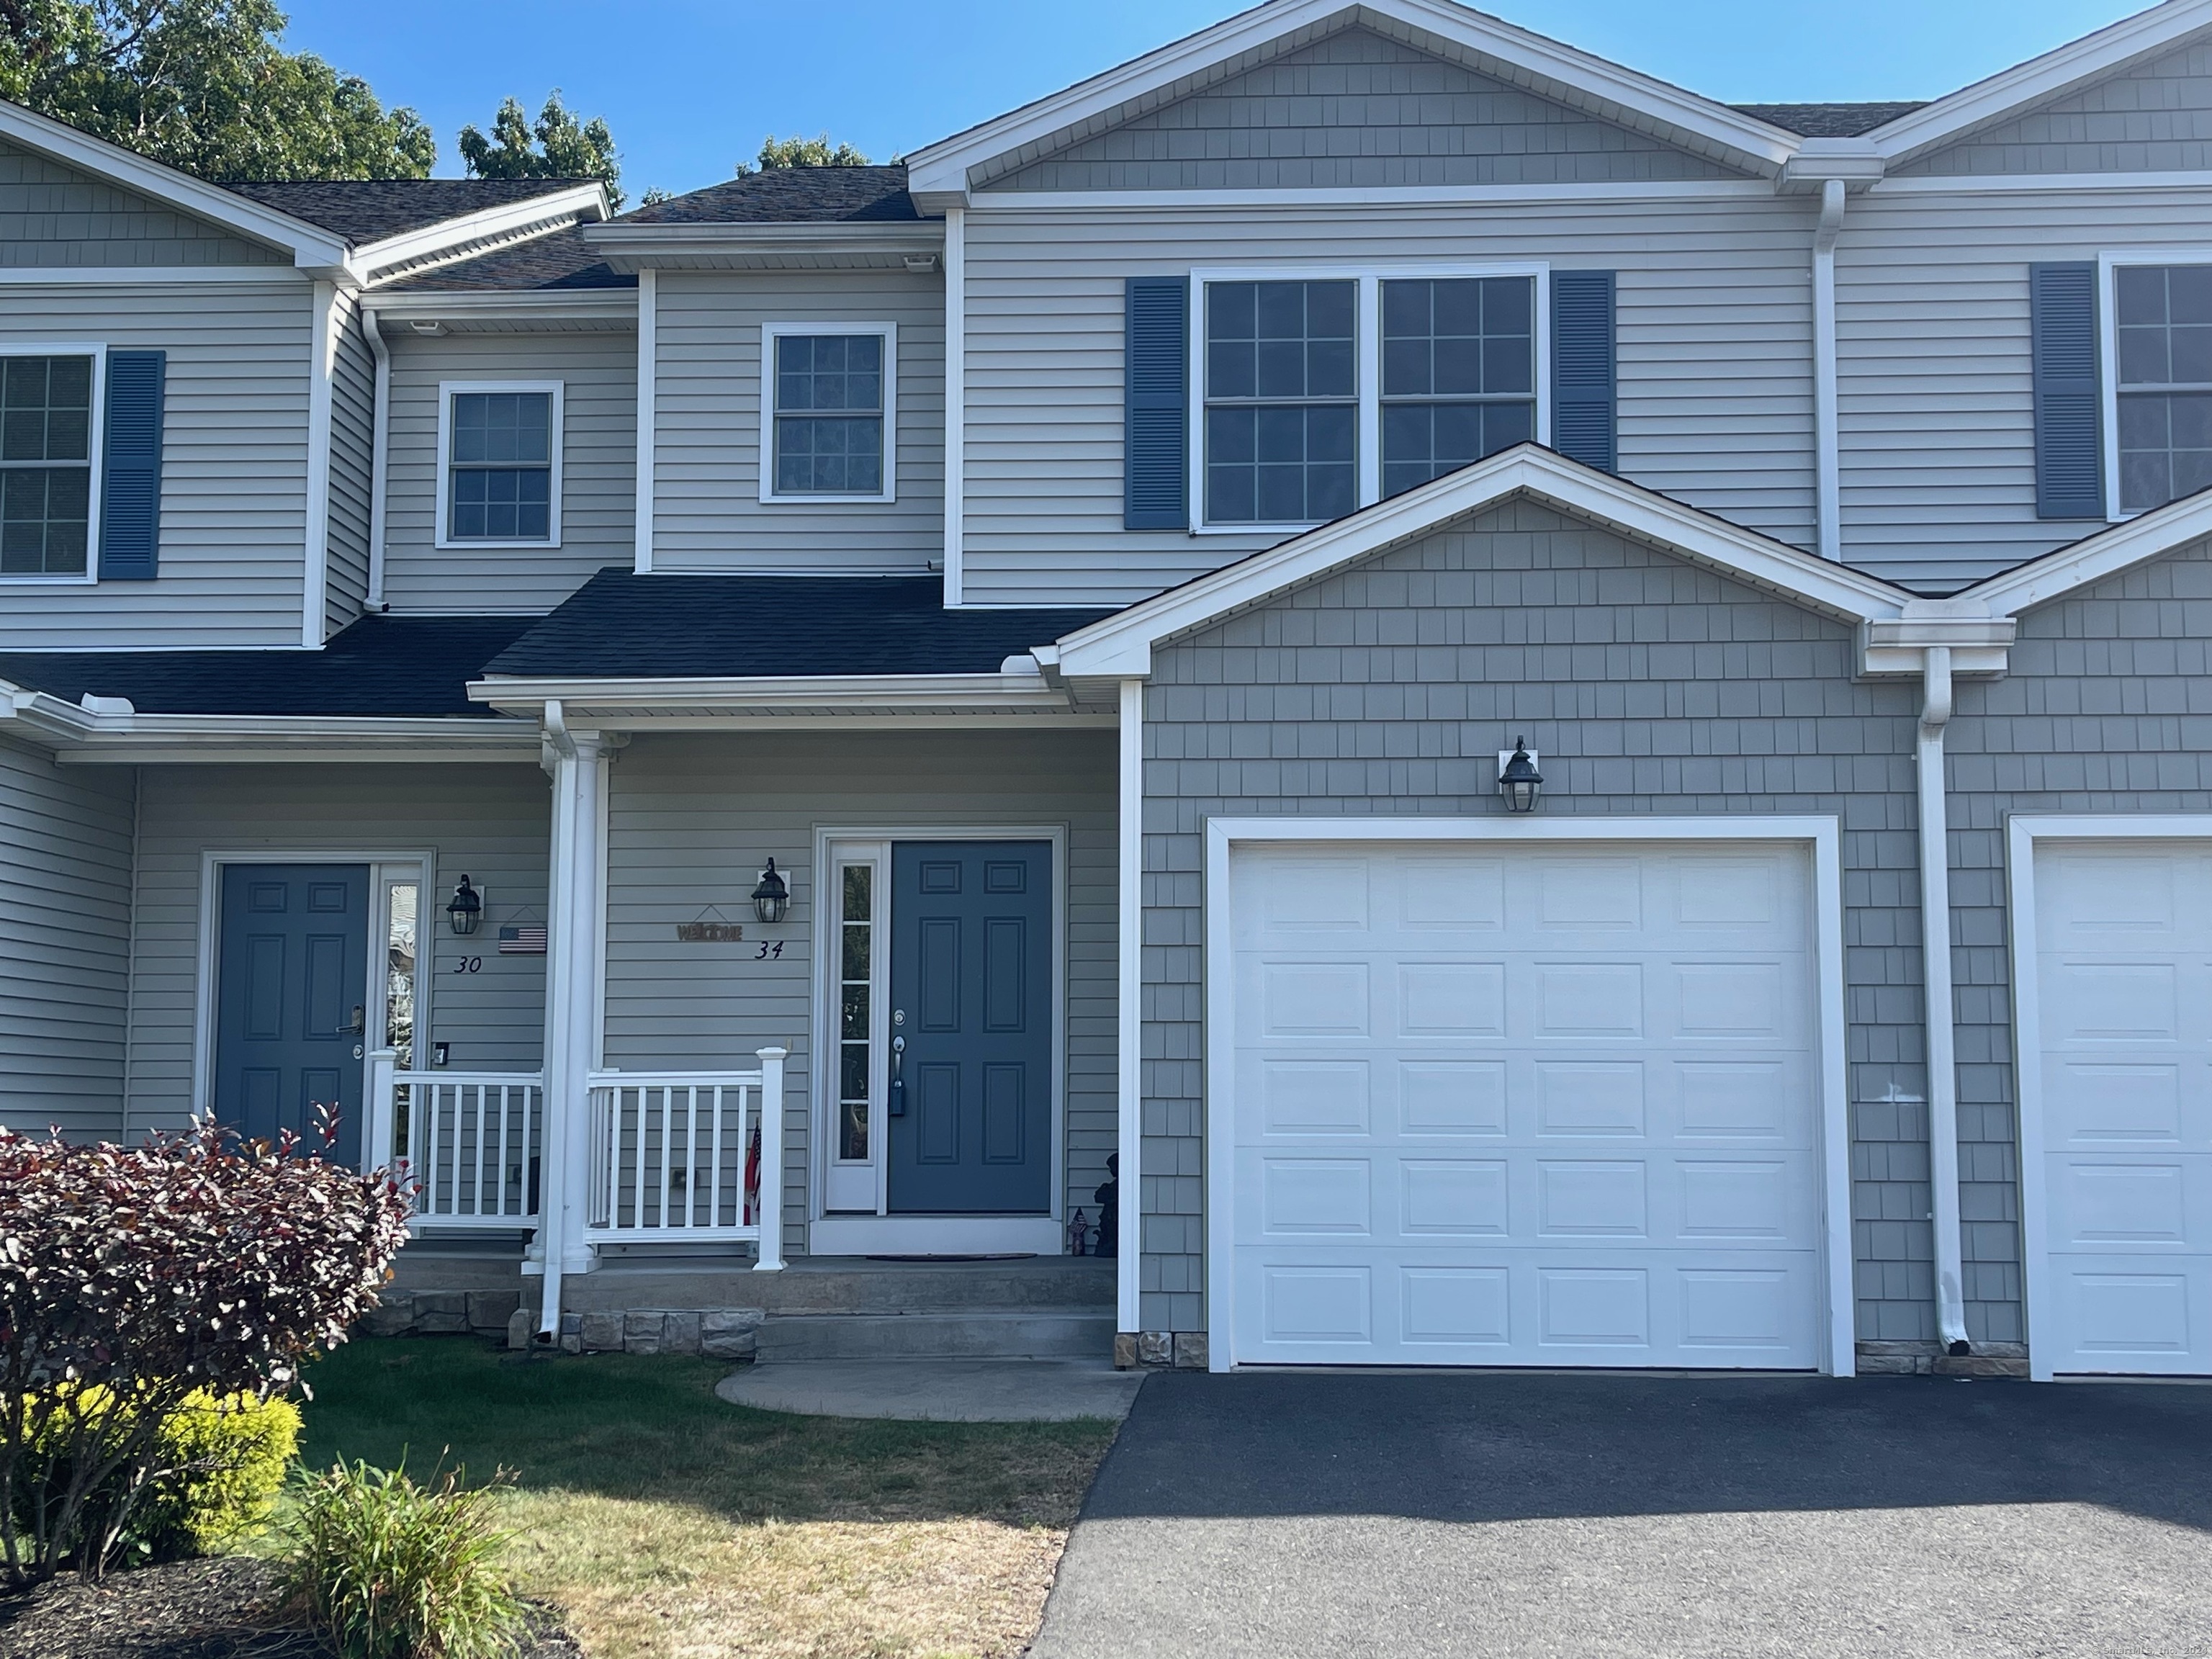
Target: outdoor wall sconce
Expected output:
[465,909]
[771,898]
[1518,780]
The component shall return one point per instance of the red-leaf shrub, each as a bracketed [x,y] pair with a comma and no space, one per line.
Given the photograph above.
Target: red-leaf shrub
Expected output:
[131,1277]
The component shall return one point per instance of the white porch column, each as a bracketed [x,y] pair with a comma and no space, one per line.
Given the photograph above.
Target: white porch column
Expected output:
[1128,1015]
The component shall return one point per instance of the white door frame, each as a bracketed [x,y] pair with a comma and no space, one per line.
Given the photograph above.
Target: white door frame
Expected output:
[1822,835]
[383,866]
[2022,831]
[860,1234]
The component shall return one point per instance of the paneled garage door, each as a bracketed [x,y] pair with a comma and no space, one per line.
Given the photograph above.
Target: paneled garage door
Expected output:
[2124,972]
[1525,1105]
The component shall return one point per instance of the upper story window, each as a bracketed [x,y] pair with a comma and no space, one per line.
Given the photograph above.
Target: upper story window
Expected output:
[2162,317]
[826,430]
[500,456]
[46,466]
[1319,395]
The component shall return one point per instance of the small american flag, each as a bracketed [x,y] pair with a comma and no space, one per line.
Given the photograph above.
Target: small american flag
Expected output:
[527,940]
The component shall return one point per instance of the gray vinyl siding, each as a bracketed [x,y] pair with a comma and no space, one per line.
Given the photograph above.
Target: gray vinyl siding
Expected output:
[2156,118]
[1356,109]
[52,215]
[1933,371]
[597,372]
[234,465]
[1715,331]
[708,514]
[491,822]
[64,943]
[690,822]
[1650,688]
[353,442]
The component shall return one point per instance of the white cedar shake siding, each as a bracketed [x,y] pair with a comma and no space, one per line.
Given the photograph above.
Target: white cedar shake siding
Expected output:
[707,406]
[54,215]
[2156,118]
[691,820]
[234,465]
[491,822]
[1650,688]
[64,942]
[597,372]
[353,404]
[1715,338]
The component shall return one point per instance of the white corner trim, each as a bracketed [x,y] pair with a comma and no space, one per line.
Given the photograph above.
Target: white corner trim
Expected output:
[649,433]
[1823,835]
[770,334]
[380,460]
[956,404]
[322,368]
[1129,1034]
[1827,417]
[1120,645]
[557,433]
[2022,832]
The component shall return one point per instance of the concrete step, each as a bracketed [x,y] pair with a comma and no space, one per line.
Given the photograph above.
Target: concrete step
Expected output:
[1030,1333]
[849,1284]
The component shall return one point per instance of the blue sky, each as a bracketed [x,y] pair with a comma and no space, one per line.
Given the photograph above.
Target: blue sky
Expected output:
[690,88]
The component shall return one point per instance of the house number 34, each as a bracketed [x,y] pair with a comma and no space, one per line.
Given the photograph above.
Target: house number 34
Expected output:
[768,953]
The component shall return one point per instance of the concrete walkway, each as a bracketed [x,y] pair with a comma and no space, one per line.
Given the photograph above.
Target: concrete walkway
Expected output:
[937,1390]
[1630,1517]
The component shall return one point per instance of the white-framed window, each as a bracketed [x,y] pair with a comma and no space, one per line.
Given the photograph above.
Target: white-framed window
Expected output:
[499,463]
[829,412]
[2157,313]
[50,396]
[1317,392]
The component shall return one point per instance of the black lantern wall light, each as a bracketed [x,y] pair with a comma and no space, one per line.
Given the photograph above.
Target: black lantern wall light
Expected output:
[464,910]
[1518,780]
[772,897]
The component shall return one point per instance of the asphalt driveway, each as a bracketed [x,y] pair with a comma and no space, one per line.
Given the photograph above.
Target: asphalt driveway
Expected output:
[1284,1516]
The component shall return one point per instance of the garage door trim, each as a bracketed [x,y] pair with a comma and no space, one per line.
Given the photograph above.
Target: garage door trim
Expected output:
[2023,831]
[1821,834]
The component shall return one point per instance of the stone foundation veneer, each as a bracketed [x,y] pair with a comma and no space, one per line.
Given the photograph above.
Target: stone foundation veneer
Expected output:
[715,1333]
[1183,1351]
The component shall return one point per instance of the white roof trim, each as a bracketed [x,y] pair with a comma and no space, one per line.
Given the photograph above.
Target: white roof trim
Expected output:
[2089,559]
[2040,79]
[1000,693]
[372,259]
[310,245]
[1122,645]
[77,733]
[941,170]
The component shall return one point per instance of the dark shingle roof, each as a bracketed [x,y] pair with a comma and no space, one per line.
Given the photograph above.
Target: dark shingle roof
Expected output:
[560,259]
[370,210]
[1828,120]
[386,665]
[620,625]
[790,195]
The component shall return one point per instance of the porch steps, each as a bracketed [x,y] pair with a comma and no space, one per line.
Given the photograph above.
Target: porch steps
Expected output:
[1039,1333]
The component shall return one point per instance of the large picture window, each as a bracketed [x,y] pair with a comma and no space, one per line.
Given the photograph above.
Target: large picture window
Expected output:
[501,458]
[45,464]
[1322,393]
[2162,317]
[826,425]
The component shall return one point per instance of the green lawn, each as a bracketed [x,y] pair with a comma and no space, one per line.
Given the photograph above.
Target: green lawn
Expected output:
[665,1522]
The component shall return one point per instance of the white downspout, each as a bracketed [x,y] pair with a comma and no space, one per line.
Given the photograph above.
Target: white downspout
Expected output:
[380,460]
[1128,1017]
[1935,956]
[1827,441]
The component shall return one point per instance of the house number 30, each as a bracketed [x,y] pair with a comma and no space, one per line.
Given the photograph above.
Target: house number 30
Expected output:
[468,966]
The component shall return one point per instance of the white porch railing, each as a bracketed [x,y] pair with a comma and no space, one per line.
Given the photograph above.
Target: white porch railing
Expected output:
[470,1145]
[681,1155]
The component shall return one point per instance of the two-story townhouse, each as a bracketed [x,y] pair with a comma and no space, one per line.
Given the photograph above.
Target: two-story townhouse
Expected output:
[1571,720]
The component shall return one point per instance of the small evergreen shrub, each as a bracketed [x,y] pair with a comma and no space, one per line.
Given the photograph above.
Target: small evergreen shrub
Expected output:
[387,1568]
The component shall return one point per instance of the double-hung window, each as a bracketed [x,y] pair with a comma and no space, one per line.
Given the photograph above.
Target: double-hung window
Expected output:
[47,465]
[1323,393]
[2162,317]
[500,456]
[828,393]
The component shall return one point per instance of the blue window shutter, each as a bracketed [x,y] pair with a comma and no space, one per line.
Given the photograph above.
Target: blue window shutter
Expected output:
[2070,469]
[1583,382]
[1156,399]
[130,467]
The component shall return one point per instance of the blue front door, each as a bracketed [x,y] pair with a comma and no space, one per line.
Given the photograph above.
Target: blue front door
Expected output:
[972,995]
[291,1000]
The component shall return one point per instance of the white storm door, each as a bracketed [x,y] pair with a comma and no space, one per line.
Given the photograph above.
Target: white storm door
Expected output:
[1539,1105]
[2123,975]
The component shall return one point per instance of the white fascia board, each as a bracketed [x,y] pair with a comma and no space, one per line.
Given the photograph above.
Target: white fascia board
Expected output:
[823,694]
[627,246]
[2093,558]
[941,170]
[1120,645]
[311,246]
[77,734]
[372,259]
[618,304]
[2107,52]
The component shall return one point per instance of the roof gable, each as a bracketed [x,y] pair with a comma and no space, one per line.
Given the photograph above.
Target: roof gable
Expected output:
[1357,107]
[53,214]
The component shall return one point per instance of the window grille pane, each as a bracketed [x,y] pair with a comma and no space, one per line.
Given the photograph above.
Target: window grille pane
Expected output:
[501,467]
[45,409]
[2163,331]
[1280,464]
[830,414]
[503,428]
[1276,451]
[45,521]
[831,455]
[1459,374]
[2166,448]
[504,504]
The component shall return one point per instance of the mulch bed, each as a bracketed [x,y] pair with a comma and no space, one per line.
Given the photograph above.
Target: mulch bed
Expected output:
[221,1609]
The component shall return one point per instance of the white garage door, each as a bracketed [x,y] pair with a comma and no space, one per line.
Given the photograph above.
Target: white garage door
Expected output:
[1538,1105]
[2124,971]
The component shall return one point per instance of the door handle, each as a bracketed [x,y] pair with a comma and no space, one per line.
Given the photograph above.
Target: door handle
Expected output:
[360,1022]
[898,1079]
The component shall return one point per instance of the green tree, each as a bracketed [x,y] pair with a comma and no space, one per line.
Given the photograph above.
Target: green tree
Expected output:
[558,147]
[206,86]
[797,152]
